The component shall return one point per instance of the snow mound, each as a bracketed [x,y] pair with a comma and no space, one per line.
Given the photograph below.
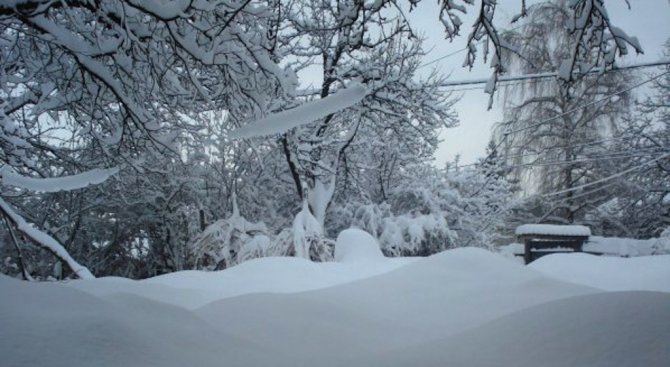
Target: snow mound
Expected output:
[463,307]
[356,245]
[48,324]
[605,329]
[193,289]
[626,247]
[428,299]
[650,273]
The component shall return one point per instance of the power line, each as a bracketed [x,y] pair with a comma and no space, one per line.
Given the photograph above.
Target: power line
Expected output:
[617,155]
[552,74]
[605,98]
[442,58]
[605,179]
[587,158]
[500,85]
[461,50]
[586,144]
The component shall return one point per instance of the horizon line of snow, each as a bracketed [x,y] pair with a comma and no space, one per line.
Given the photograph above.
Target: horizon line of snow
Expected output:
[283,121]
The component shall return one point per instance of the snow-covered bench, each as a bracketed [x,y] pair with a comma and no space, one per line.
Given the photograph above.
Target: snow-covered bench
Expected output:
[543,239]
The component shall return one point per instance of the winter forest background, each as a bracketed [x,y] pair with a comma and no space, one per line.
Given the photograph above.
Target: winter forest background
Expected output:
[117,154]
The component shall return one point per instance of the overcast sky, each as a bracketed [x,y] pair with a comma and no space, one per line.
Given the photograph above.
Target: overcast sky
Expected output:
[648,20]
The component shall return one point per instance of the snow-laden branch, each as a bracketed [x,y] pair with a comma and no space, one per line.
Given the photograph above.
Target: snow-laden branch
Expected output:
[304,114]
[55,184]
[44,240]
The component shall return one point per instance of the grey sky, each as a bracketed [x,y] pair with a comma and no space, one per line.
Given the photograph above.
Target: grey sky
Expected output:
[649,20]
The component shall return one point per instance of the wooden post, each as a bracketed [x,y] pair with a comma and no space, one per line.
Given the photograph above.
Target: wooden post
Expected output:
[526,251]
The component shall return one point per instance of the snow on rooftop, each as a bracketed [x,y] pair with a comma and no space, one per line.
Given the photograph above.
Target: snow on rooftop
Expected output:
[553,229]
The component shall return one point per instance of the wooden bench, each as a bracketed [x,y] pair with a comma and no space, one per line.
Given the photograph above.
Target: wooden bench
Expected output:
[544,239]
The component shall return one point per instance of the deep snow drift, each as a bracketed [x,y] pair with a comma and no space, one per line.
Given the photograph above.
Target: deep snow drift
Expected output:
[650,273]
[604,329]
[464,307]
[192,289]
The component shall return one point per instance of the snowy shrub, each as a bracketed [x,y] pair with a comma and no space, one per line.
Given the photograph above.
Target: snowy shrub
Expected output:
[412,223]
[366,216]
[230,241]
[304,239]
[257,246]
[412,235]
[305,227]
[227,242]
[662,243]
[320,247]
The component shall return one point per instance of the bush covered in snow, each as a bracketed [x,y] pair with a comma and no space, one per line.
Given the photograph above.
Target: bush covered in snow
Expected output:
[230,241]
[402,234]
[304,239]
[227,242]
[446,209]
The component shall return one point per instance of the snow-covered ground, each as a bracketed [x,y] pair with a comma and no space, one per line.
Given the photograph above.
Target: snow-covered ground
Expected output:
[463,307]
[649,273]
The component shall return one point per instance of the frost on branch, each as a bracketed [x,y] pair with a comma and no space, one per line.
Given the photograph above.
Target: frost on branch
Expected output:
[44,240]
[596,45]
[55,184]
[123,71]
[597,42]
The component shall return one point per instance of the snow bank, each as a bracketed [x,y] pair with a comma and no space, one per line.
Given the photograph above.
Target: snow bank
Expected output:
[512,250]
[54,325]
[463,307]
[608,273]
[356,245]
[627,246]
[430,298]
[553,229]
[192,289]
[606,329]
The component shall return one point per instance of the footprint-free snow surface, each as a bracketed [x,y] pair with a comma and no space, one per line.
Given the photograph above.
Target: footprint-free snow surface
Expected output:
[463,307]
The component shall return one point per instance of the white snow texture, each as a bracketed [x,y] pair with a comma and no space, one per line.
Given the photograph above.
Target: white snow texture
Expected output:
[553,229]
[304,114]
[462,307]
[55,184]
[355,245]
